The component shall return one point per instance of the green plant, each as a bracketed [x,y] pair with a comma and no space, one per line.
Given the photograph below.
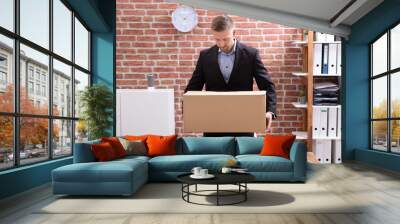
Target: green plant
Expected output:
[96,102]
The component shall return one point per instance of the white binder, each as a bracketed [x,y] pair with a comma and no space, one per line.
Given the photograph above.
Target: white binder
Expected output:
[332,59]
[317,59]
[329,38]
[320,37]
[315,123]
[325,55]
[337,151]
[323,122]
[318,146]
[332,122]
[339,60]
[339,122]
[327,151]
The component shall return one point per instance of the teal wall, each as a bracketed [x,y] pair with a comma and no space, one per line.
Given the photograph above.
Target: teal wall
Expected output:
[99,16]
[356,126]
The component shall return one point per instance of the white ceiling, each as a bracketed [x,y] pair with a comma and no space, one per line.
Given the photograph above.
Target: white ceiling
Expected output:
[317,15]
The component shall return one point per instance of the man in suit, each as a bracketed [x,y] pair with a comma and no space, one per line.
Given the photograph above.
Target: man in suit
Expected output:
[231,66]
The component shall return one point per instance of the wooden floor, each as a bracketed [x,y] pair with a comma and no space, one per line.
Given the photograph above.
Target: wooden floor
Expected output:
[378,188]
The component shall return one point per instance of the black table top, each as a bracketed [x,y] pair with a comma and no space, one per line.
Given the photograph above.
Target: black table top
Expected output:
[220,178]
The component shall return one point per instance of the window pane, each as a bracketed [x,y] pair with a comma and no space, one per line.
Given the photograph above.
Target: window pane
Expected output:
[395,47]
[35,21]
[6,142]
[62,89]
[379,55]
[395,138]
[62,137]
[6,74]
[7,14]
[34,72]
[81,45]
[379,135]
[395,94]
[379,97]
[33,139]
[81,81]
[81,131]
[62,29]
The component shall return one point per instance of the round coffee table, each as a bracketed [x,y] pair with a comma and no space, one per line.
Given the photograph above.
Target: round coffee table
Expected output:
[238,179]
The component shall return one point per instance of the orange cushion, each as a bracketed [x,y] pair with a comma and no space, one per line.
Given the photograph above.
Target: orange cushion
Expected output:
[161,145]
[116,145]
[103,151]
[136,137]
[277,145]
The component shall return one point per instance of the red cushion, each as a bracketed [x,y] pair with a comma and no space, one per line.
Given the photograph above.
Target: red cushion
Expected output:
[103,151]
[116,145]
[277,145]
[161,145]
[136,137]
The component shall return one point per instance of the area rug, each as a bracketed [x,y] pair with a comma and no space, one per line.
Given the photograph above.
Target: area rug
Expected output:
[167,198]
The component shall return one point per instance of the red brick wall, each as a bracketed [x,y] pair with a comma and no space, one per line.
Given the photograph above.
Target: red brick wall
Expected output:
[147,42]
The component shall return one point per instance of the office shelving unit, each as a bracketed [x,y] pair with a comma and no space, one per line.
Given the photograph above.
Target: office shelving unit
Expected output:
[309,78]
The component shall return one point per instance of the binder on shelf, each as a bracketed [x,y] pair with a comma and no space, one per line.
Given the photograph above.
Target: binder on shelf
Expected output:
[323,121]
[337,151]
[322,150]
[327,151]
[339,59]
[332,122]
[320,37]
[339,122]
[332,59]
[329,38]
[325,55]
[315,123]
[318,150]
[317,59]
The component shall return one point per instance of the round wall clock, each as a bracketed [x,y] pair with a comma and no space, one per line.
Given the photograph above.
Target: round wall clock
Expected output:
[184,18]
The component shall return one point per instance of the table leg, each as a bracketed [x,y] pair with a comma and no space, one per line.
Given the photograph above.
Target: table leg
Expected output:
[217,194]
[196,188]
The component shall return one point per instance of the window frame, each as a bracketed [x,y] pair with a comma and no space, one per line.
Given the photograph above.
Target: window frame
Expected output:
[388,74]
[16,114]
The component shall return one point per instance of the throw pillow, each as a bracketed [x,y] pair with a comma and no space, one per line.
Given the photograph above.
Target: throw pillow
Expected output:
[136,137]
[277,145]
[161,145]
[136,147]
[103,151]
[116,145]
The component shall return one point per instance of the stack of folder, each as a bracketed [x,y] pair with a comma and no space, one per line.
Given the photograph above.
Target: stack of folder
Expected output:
[326,94]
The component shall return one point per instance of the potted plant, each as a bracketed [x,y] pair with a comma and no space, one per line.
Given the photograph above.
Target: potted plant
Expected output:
[96,102]
[302,96]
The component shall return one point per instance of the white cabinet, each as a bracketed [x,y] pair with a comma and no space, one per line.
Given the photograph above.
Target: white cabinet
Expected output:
[145,111]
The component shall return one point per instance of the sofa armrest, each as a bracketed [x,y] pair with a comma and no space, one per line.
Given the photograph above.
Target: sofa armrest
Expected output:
[83,152]
[298,155]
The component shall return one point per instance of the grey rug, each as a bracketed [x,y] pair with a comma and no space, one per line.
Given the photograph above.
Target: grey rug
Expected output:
[166,198]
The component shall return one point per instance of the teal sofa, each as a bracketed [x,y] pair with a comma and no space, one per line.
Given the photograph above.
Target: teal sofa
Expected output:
[125,176]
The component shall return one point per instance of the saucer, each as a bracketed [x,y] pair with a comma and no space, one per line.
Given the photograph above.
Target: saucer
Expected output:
[208,176]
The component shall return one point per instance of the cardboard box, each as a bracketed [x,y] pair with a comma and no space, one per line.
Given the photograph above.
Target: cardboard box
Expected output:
[238,111]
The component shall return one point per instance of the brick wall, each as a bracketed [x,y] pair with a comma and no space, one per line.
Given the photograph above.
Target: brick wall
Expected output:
[147,42]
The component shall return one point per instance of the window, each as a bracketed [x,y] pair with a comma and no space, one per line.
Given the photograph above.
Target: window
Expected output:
[385,96]
[45,131]
[7,14]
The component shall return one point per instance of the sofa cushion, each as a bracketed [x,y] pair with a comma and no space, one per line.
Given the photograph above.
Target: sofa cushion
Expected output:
[103,152]
[116,145]
[185,163]
[112,171]
[277,145]
[257,163]
[135,147]
[206,145]
[249,145]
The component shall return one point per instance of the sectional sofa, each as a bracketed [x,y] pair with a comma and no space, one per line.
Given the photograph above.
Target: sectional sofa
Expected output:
[125,176]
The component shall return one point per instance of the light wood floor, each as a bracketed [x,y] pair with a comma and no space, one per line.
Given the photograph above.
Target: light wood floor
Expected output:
[378,188]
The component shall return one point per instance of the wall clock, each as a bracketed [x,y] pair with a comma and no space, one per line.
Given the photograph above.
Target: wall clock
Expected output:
[184,18]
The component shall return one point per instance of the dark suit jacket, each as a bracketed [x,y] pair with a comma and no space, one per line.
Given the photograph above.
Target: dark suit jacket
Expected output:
[248,65]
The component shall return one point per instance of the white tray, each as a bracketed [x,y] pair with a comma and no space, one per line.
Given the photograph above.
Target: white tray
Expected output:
[208,176]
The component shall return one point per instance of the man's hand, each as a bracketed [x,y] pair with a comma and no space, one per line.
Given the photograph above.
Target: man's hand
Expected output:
[269,116]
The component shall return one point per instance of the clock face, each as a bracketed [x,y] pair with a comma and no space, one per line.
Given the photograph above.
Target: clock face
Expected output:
[184,18]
